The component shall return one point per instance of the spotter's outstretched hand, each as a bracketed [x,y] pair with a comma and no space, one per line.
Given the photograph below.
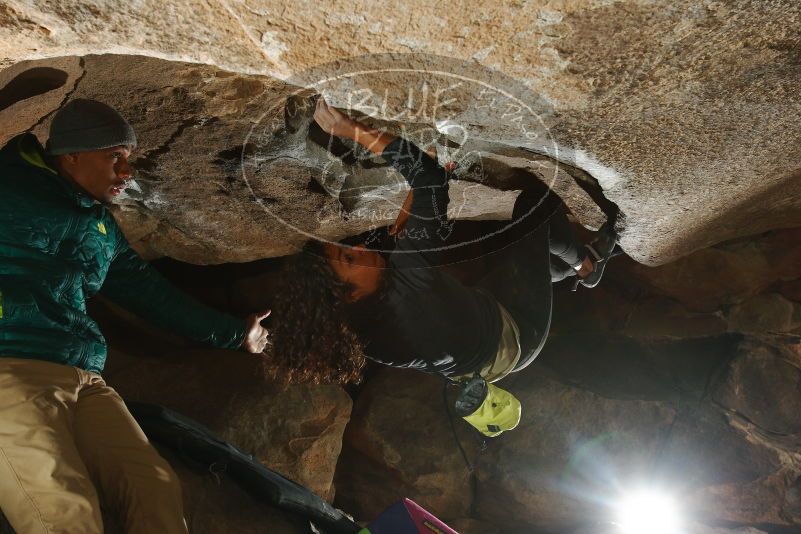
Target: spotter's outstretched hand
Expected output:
[256,336]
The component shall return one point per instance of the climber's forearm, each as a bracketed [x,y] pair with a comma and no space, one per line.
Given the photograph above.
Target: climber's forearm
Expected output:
[403,215]
[373,140]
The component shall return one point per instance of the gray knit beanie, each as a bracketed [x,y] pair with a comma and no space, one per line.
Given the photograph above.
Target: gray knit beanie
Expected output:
[83,125]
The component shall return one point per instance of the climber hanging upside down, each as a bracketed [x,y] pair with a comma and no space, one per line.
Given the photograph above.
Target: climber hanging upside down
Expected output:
[340,301]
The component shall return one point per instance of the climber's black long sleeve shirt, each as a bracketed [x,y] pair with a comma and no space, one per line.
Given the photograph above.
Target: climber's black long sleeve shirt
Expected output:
[426,319]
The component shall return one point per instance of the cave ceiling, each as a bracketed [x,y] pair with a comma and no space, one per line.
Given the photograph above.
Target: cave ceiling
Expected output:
[682,114]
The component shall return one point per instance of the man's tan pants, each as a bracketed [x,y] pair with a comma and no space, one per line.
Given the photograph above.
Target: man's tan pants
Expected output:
[67,441]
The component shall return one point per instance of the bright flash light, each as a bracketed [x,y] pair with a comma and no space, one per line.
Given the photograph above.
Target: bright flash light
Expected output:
[648,511]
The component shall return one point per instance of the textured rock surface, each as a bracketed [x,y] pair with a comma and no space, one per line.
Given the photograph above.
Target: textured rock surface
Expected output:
[400,444]
[762,385]
[23,104]
[770,312]
[473,526]
[729,273]
[213,506]
[685,111]
[193,199]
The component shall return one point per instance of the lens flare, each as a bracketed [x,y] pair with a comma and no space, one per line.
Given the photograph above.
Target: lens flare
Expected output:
[648,511]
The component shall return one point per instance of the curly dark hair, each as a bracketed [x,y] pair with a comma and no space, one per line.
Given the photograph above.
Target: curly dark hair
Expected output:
[313,342]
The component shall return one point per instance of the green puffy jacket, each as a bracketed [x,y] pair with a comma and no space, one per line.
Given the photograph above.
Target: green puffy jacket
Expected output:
[59,247]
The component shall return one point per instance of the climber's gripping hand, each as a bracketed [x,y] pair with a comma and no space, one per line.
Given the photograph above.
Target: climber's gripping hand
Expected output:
[334,122]
[256,336]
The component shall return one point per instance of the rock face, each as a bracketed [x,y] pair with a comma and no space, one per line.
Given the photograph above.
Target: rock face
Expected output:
[762,386]
[730,273]
[400,444]
[228,167]
[215,505]
[683,112]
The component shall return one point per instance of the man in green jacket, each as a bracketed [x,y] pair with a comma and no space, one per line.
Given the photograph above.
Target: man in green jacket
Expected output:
[67,441]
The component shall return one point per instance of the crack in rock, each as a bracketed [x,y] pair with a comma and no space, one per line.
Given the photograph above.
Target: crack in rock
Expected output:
[148,161]
[82,65]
